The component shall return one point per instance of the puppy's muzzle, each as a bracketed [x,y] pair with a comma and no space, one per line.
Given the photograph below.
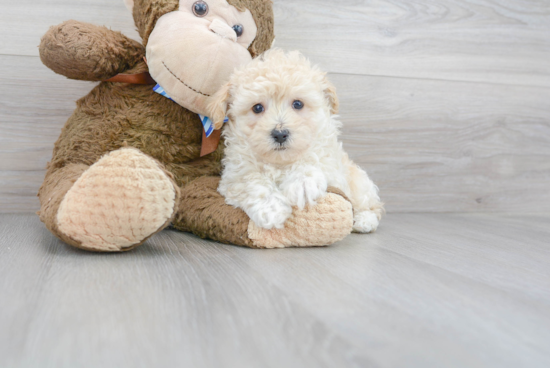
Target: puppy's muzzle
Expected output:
[280,136]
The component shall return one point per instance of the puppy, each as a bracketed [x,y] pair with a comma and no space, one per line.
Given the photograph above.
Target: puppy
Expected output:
[282,147]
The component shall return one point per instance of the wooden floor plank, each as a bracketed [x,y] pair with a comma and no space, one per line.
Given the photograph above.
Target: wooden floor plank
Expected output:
[429,145]
[165,307]
[424,291]
[441,280]
[449,146]
[24,22]
[504,42]
[34,106]
[475,40]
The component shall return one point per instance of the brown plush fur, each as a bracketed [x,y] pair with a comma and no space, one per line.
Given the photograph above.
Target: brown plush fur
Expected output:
[54,188]
[147,12]
[262,12]
[62,51]
[203,211]
[115,115]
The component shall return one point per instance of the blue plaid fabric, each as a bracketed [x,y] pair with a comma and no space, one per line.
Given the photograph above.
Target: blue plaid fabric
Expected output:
[209,125]
[206,121]
[158,89]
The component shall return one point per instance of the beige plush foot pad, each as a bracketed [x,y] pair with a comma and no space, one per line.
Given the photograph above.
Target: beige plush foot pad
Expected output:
[118,202]
[331,220]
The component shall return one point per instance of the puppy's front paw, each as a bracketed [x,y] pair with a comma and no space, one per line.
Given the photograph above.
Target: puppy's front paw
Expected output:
[304,188]
[271,213]
[365,222]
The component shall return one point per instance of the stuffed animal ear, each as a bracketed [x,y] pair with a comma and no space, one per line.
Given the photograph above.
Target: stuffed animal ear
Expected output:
[129,4]
[219,105]
[332,97]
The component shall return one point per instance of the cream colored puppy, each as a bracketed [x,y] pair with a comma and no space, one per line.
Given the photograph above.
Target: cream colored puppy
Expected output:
[282,147]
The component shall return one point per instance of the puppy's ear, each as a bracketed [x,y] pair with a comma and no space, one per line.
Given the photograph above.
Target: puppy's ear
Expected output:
[218,106]
[332,97]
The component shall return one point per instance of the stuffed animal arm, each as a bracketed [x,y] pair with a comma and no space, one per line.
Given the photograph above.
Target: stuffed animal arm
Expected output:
[88,52]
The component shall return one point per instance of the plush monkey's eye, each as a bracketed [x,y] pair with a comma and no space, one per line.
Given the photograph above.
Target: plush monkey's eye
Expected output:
[238,30]
[258,109]
[200,9]
[298,105]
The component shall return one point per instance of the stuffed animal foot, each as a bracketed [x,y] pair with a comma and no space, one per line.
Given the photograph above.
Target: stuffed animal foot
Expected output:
[325,223]
[117,203]
[204,212]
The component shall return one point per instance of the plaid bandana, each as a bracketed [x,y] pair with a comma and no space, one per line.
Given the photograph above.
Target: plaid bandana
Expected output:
[205,120]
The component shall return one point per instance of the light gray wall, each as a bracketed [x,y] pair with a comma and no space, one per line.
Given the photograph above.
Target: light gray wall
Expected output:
[446,104]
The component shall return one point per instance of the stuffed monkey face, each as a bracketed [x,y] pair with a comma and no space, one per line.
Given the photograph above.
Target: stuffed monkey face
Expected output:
[193,51]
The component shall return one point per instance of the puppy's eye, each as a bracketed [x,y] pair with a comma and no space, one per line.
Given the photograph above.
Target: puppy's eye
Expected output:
[258,109]
[200,9]
[239,29]
[298,105]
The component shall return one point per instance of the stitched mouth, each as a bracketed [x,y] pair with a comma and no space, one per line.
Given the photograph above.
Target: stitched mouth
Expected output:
[182,82]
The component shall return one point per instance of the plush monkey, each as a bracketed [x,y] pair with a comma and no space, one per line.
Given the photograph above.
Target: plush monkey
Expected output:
[128,162]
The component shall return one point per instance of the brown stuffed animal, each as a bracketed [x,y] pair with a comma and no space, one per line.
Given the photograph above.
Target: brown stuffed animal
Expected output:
[128,162]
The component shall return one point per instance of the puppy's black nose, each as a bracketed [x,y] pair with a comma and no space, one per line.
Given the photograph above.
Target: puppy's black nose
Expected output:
[280,136]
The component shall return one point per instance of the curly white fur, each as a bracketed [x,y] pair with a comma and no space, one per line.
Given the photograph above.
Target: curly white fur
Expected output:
[265,178]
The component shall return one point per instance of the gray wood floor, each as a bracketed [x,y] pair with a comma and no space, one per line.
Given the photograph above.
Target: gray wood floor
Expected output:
[445,103]
[426,290]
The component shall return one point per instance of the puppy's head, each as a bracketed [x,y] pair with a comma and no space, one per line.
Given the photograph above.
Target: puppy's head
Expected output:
[278,103]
